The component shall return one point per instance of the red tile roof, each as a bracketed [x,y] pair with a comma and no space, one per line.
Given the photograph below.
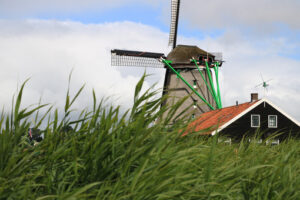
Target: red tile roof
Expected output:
[210,121]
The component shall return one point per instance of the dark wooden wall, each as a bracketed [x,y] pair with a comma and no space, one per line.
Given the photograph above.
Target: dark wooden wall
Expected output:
[242,127]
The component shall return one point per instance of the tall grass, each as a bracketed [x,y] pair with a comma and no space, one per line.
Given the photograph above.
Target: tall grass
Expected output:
[132,155]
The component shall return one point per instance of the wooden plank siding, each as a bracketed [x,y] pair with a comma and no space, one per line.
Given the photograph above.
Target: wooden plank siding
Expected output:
[242,126]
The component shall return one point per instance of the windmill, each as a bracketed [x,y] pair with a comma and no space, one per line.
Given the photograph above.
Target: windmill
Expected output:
[264,84]
[190,71]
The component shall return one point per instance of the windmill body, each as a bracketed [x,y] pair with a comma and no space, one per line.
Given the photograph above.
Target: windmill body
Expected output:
[176,89]
[188,71]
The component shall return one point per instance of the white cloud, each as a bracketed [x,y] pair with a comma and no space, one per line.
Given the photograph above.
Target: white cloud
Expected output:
[46,51]
[259,14]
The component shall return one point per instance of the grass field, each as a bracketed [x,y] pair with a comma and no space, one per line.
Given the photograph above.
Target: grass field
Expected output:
[109,155]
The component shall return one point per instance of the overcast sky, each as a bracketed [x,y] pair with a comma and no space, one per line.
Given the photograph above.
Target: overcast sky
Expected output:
[45,40]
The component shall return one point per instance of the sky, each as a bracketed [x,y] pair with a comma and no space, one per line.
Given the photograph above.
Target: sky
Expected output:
[46,40]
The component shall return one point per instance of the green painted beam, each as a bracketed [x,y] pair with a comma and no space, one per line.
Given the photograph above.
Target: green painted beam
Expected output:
[216,68]
[209,88]
[212,84]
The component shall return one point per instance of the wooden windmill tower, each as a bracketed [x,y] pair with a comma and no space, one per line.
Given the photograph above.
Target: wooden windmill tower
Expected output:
[190,71]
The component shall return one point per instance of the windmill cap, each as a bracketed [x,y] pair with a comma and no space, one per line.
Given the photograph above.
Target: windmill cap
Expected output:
[182,54]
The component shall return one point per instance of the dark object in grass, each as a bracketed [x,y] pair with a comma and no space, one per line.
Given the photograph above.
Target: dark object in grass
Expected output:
[35,134]
[67,129]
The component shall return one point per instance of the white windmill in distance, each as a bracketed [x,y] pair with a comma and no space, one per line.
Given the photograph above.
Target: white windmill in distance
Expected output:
[264,84]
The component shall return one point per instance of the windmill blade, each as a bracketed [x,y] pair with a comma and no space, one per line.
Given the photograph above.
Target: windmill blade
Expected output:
[262,77]
[136,58]
[269,80]
[259,85]
[175,4]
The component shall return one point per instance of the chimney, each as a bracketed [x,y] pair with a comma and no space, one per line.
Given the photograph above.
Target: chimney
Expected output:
[254,97]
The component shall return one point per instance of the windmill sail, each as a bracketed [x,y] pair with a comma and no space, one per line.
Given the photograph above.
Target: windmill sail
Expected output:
[147,59]
[136,58]
[175,4]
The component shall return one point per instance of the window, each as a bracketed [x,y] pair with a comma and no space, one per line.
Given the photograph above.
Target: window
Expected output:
[272,121]
[255,120]
[255,140]
[225,140]
[195,104]
[195,83]
[273,142]
[193,116]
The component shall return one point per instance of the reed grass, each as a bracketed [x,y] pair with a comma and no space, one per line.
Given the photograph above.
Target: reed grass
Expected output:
[132,155]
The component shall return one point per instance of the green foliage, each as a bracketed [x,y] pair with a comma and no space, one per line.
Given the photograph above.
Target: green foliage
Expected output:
[136,155]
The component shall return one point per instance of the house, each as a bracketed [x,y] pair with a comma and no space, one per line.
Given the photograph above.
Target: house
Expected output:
[247,119]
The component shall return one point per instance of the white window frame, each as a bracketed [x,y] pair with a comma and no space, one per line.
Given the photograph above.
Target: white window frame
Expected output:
[225,140]
[195,104]
[258,141]
[273,142]
[258,120]
[269,121]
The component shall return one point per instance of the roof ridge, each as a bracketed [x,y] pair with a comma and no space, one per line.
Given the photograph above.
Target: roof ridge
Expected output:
[221,109]
[240,104]
[216,119]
